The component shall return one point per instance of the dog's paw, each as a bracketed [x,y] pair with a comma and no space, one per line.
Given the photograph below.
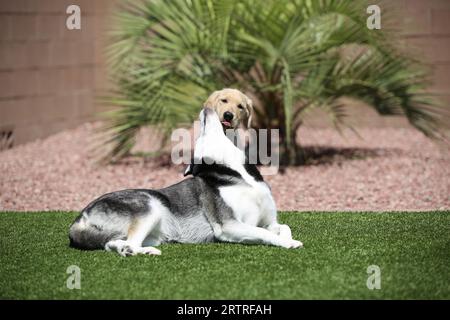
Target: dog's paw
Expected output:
[296,244]
[292,244]
[127,251]
[122,247]
[149,251]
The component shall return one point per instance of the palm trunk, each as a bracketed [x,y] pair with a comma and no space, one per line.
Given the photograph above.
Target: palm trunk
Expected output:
[291,153]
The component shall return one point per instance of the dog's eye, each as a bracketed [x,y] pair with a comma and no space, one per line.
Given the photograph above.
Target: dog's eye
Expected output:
[240,106]
[224,100]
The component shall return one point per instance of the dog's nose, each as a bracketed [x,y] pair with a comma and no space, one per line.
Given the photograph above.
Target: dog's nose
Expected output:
[228,116]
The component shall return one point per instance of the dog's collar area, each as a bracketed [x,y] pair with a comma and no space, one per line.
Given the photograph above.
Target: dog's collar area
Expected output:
[207,165]
[199,166]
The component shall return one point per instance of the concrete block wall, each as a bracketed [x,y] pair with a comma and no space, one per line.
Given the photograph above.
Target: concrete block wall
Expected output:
[49,75]
[426,31]
[423,31]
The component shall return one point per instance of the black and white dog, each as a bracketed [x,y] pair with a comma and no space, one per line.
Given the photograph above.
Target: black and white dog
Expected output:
[225,200]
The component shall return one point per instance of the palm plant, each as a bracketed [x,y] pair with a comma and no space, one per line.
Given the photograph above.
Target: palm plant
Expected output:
[289,56]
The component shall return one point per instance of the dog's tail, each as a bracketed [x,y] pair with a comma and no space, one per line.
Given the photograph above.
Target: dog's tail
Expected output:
[83,235]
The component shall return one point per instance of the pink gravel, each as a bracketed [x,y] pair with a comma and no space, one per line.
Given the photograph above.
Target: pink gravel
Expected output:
[388,169]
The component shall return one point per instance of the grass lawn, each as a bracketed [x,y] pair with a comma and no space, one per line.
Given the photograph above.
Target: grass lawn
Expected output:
[411,249]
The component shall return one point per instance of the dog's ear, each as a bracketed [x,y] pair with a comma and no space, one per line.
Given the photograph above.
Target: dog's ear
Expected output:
[211,102]
[249,109]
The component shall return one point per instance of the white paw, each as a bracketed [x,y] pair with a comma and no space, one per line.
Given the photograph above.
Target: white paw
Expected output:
[122,247]
[292,244]
[149,250]
[296,244]
[115,245]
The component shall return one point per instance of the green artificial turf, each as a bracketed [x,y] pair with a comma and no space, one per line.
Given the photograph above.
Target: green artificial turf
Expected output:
[411,249]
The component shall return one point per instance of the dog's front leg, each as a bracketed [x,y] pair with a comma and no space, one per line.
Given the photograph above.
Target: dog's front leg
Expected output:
[234,231]
[282,230]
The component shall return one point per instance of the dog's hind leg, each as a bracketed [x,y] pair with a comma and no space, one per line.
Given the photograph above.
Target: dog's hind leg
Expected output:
[139,229]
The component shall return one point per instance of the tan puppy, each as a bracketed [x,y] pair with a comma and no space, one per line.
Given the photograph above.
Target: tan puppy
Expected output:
[232,106]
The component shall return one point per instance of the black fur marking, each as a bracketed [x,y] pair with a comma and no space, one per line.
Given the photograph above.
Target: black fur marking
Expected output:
[124,202]
[182,195]
[90,239]
[252,170]
[158,195]
[203,170]
[215,175]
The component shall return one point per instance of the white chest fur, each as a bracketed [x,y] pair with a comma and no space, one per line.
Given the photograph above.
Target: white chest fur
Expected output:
[251,204]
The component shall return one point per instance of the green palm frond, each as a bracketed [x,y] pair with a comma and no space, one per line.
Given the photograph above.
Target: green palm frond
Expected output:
[290,55]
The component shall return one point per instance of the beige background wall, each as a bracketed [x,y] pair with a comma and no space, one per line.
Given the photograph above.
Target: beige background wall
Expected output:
[426,30]
[49,76]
